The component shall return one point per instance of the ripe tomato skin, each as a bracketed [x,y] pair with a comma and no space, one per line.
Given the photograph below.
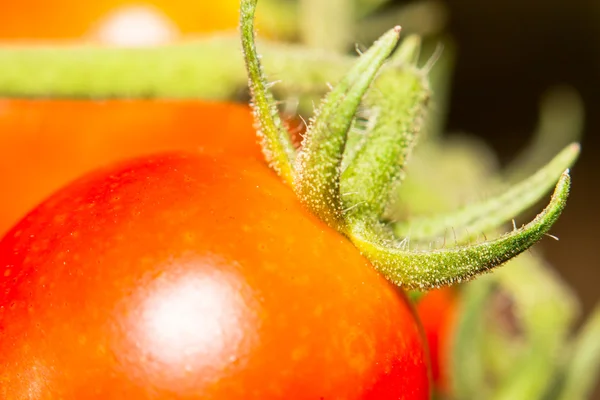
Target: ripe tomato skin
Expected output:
[188,276]
[437,311]
[68,19]
[44,144]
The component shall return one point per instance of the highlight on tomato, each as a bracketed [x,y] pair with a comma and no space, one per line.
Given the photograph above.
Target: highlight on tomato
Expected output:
[121,21]
[133,23]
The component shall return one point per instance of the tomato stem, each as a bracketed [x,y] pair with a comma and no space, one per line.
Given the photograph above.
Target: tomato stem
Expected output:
[354,203]
[209,68]
[277,144]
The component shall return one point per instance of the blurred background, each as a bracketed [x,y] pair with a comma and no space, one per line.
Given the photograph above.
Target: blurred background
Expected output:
[509,53]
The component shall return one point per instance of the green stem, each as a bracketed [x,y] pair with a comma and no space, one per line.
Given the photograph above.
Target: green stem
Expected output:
[209,68]
[277,144]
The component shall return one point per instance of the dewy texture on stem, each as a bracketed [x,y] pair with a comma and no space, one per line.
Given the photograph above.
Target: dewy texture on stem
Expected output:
[396,103]
[210,68]
[277,144]
[353,156]
[318,166]
[484,216]
[419,269]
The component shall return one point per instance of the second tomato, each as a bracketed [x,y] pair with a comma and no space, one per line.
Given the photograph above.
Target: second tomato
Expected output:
[46,143]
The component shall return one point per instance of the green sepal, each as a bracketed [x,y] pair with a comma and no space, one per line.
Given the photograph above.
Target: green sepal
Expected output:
[418,269]
[469,222]
[318,167]
[395,106]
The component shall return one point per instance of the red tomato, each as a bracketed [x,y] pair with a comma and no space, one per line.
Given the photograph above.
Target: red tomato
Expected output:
[437,312]
[196,277]
[46,143]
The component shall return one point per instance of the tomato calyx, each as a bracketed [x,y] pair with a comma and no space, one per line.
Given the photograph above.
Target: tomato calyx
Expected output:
[347,175]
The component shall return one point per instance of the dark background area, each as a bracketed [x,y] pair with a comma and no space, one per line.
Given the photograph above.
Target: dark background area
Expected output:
[509,53]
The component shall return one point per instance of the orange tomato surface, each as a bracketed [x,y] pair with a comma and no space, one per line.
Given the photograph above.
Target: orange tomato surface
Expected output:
[71,19]
[195,276]
[46,143]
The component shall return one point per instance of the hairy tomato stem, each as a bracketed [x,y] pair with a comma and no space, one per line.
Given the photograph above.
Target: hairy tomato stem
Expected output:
[276,142]
[373,165]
